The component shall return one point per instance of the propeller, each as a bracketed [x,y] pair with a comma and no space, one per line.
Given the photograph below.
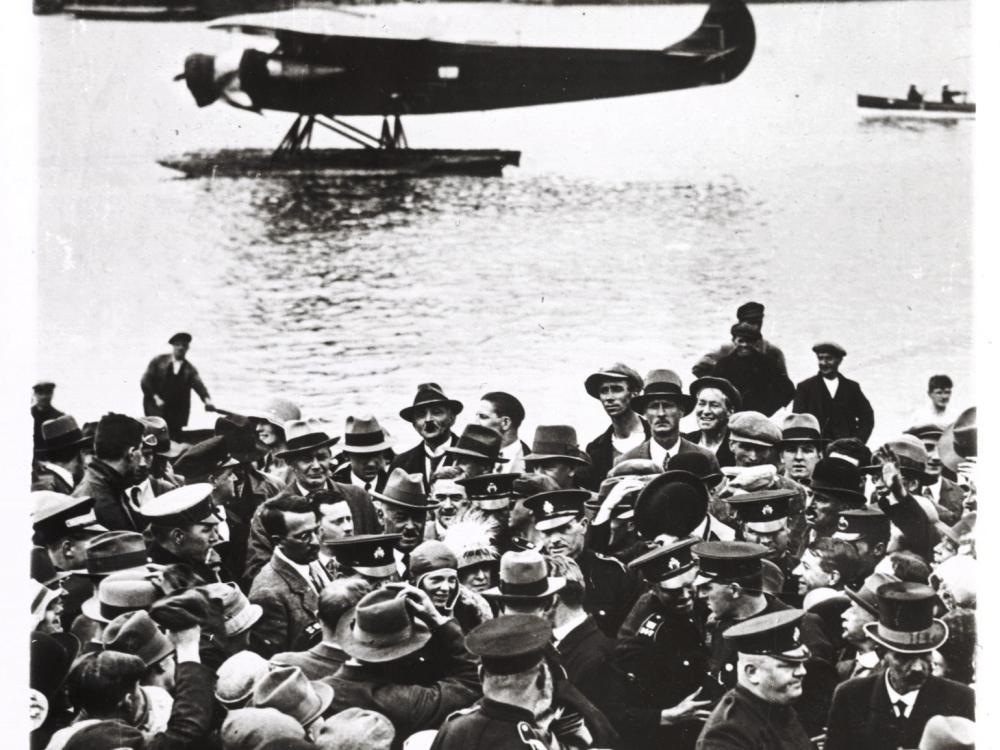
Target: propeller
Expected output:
[210,78]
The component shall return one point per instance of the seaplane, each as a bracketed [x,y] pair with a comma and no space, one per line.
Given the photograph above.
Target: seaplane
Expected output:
[324,65]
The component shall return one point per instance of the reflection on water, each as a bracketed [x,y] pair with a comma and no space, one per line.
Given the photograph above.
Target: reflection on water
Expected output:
[915,123]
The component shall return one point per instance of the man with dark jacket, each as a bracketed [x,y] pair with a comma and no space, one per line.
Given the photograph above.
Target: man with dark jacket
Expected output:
[167,385]
[888,709]
[184,524]
[614,387]
[119,464]
[837,402]
[762,385]
[42,409]
[59,462]
[432,415]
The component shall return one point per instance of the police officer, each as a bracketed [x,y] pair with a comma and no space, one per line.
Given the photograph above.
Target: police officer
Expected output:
[757,714]
[185,526]
[763,518]
[661,651]
[561,521]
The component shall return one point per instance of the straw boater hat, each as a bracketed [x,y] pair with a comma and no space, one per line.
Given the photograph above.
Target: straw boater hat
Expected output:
[906,622]
[524,576]
[305,436]
[363,434]
[428,394]
[617,371]
[663,384]
[380,629]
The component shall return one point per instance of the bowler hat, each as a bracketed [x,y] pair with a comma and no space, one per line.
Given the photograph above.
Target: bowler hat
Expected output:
[381,629]
[363,434]
[405,491]
[305,436]
[556,441]
[960,440]
[774,634]
[428,394]
[509,644]
[237,676]
[754,428]
[237,611]
[750,311]
[61,433]
[617,371]
[720,384]
[948,733]
[135,633]
[865,595]
[744,330]
[524,576]
[479,442]
[54,515]
[838,478]
[906,622]
[239,436]
[800,428]
[662,385]
[674,503]
[829,347]
[114,551]
[703,465]
[179,338]
[288,690]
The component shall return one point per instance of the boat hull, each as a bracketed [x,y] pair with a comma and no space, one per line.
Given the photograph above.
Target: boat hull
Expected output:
[888,105]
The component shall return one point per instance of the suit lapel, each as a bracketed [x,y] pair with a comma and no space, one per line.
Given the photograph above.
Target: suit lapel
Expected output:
[296,583]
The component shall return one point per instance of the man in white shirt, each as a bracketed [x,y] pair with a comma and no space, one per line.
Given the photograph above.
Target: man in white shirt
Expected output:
[368,451]
[504,414]
[939,389]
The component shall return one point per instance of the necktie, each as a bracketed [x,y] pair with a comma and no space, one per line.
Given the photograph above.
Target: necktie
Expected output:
[900,707]
[666,460]
[368,486]
[317,578]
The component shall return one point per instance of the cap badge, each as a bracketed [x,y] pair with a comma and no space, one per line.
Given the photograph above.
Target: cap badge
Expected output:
[548,508]
[491,488]
[379,553]
[842,524]
[674,563]
[767,510]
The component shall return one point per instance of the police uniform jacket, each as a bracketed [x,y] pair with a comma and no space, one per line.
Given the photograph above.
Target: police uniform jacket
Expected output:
[175,390]
[861,717]
[602,457]
[610,592]
[848,414]
[290,620]
[107,488]
[490,725]
[742,721]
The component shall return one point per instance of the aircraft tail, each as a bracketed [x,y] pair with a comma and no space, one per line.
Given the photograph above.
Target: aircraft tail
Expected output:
[725,39]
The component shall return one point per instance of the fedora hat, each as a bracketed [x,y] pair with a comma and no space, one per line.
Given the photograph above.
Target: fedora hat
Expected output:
[427,394]
[305,436]
[960,440]
[720,384]
[114,551]
[663,384]
[911,457]
[617,371]
[556,441]
[60,433]
[906,622]
[363,434]
[288,690]
[948,733]
[800,428]
[125,591]
[524,576]
[866,595]
[405,491]
[156,427]
[674,503]
[838,478]
[135,633]
[479,442]
[237,676]
[237,611]
[380,629]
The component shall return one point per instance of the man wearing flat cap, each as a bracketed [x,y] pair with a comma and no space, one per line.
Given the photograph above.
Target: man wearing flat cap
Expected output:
[837,402]
[889,709]
[753,314]
[432,415]
[758,713]
[167,385]
[664,403]
[763,386]
[614,386]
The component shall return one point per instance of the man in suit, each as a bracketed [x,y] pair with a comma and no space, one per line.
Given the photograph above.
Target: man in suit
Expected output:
[326,657]
[614,387]
[118,465]
[716,399]
[368,453]
[288,586]
[432,415]
[837,402]
[889,709]
[167,385]
[402,508]
[503,413]
[59,460]
[663,403]
[946,495]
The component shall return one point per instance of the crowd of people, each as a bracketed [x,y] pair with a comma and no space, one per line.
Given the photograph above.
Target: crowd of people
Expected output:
[278,582]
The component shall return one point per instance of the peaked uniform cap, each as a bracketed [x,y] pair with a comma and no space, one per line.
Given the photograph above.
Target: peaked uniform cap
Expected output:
[288,690]
[380,629]
[906,622]
[54,515]
[183,506]
[489,491]
[829,347]
[764,511]
[728,561]
[617,371]
[203,459]
[479,442]
[674,503]
[665,563]
[855,523]
[719,384]
[135,633]
[775,634]
[510,644]
[754,428]
[557,508]
[305,436]
[524,576]
[405,491]
[62,432]
[428,394]
[663,385]
[363,434]
[556,441]
[801,428]
[369,554]
[926,431]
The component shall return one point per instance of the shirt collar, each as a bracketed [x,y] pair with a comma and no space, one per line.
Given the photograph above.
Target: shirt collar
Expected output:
[513,451]
[658,454]
[559,633]
[60,472]
[439,451]
[894,697]
[302,570]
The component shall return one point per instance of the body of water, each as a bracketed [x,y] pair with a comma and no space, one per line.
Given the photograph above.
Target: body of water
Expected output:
[632,230]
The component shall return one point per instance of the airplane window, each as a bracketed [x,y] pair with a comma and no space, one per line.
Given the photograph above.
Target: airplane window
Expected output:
[448,72]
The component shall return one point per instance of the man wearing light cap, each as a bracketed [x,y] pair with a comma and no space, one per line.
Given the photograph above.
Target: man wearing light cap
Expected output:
[900,474]
[614,386]
[946,495]
[763,386]
[660,649]
[758,713]
[801,446]
[184,524]
[167,385]
[837,402]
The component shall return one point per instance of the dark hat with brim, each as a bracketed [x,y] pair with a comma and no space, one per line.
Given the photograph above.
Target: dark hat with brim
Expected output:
[673,503]
[720,384]
[479,442]
[662,385]
[61,433]
[558,508]
[179,338]
[838,478]
[380,629]
[370,555]
[801,428]
[960,440]
[764,511]
[906,622]
[666,565]
[490,491]
[866,596]
[428,394]
[617,371]
[43,386]
[750,311]
[723,562]
[510,644]
[556,442]
[405,491]
[363,434]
